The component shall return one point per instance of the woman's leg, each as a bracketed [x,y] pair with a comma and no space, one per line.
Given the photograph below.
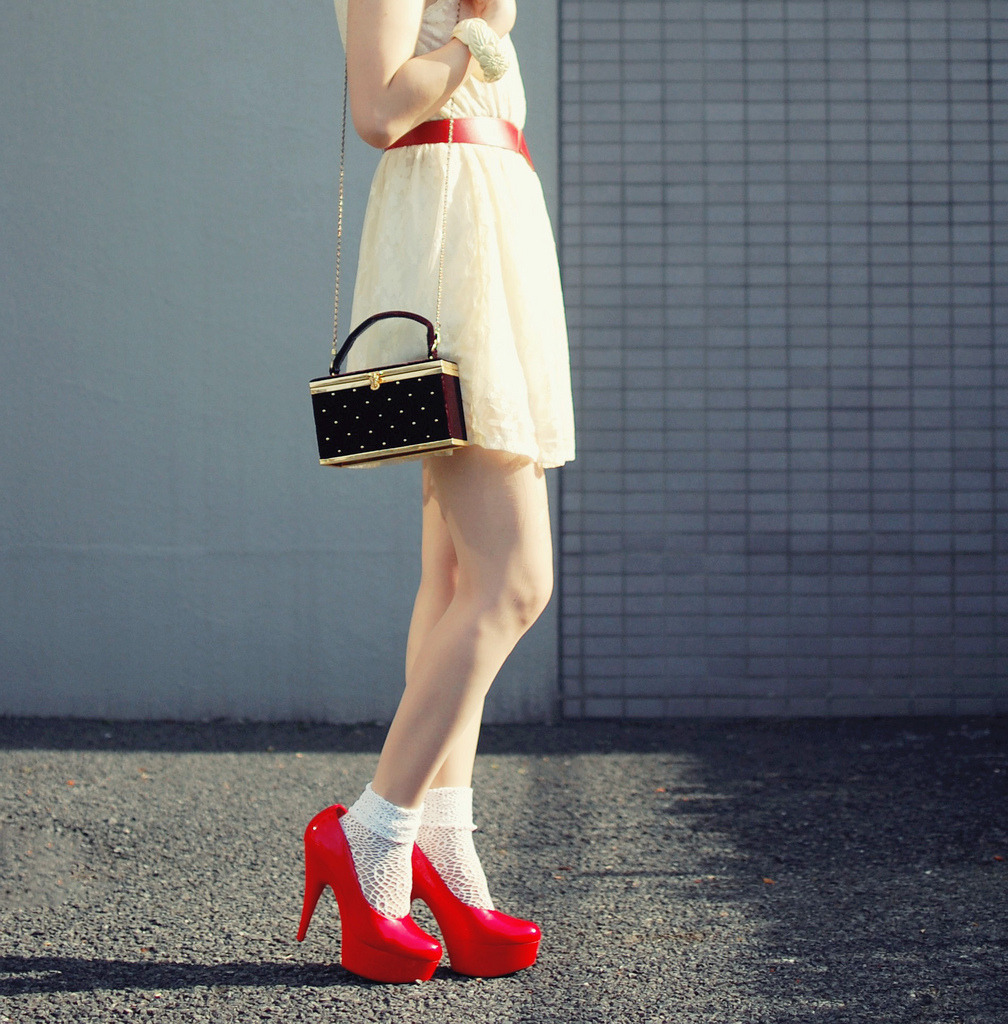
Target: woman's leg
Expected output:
[438,569]
[495,508]
[457,767]
[445,833]
[438,578]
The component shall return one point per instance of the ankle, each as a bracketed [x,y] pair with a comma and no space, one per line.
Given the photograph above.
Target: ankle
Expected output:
[386,819]
[381,837]
[445,837]
[449,807]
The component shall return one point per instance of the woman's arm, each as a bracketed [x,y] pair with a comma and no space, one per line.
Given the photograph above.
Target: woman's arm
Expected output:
[390,89]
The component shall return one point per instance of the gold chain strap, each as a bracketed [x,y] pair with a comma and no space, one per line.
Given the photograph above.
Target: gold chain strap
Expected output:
[444,229]
[339,219]
[339,225]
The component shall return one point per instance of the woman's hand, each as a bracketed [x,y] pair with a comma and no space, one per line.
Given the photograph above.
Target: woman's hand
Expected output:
[500,15]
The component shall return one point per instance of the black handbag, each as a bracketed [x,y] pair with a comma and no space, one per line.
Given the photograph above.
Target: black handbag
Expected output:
[395,412]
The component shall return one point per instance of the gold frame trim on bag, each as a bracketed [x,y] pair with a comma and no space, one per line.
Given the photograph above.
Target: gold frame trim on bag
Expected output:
[413,451]
[388,374]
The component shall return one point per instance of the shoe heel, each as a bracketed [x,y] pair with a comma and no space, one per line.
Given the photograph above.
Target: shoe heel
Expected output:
[374,946]
[314,887]
[382,964]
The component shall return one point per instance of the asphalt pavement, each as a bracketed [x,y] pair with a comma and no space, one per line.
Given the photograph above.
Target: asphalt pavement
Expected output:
[725,872]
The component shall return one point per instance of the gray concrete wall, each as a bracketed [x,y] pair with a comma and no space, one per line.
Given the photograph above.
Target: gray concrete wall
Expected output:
[784,232]
[168,544]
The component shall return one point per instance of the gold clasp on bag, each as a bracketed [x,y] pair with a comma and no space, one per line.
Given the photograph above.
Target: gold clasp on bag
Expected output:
[376,380]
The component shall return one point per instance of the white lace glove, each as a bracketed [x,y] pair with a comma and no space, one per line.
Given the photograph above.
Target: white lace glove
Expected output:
[485,45]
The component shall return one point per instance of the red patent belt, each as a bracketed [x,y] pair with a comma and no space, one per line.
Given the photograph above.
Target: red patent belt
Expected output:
[484,131]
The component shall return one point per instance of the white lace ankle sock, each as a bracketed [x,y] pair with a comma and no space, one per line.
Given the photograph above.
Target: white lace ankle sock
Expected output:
[381,836]
[445,837]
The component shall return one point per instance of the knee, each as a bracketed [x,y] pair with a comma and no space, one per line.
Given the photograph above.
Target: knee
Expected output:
[515,602]
[536,594]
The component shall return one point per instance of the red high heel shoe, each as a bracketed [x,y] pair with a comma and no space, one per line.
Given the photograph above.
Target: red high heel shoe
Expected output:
[374,946]
[481,943]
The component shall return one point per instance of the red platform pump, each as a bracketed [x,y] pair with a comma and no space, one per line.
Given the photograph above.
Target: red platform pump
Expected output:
[481,943]
[374,946]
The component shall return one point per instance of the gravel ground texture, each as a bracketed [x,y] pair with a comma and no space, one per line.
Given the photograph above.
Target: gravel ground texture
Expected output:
[725,872]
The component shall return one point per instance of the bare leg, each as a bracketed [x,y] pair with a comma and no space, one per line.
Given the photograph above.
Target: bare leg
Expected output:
[495,508]
[438,578]
[438,569]
[445,833]
[457,767]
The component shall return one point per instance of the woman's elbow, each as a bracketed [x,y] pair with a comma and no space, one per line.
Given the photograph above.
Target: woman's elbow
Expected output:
[375,135]
[373,129]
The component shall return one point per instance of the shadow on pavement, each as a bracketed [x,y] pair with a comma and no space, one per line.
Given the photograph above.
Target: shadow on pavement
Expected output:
[70,974]
[229,736]
[841,870]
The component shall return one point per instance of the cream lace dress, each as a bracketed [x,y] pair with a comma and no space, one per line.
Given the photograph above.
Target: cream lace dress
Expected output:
[502,313]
